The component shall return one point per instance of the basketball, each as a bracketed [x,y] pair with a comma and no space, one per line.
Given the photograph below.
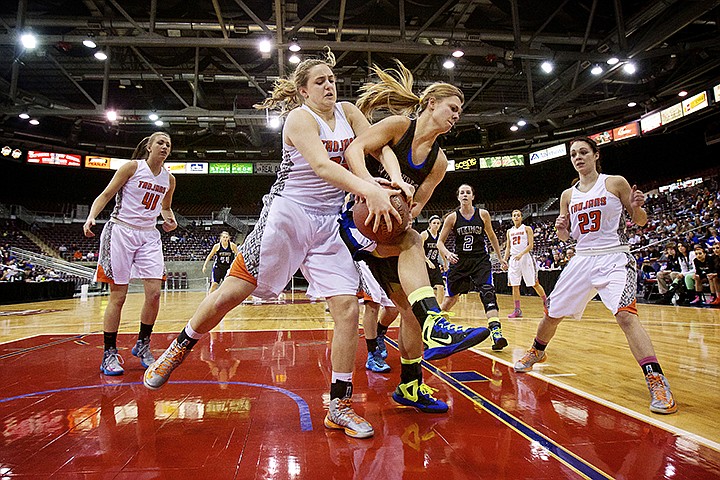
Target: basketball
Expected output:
[383,235]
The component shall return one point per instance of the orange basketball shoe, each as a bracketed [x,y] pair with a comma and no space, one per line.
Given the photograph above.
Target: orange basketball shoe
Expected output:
[531,357]
[661,398]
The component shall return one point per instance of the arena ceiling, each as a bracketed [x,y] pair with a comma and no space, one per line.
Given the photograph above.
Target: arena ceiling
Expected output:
[197,65]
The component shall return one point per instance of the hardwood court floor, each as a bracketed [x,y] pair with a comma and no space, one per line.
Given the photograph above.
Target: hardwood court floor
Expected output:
[582,415]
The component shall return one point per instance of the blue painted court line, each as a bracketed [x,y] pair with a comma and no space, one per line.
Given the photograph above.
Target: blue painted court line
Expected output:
[303,409]
[468,377]
[556,450]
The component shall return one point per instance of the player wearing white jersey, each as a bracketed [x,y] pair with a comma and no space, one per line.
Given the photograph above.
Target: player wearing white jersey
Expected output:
[592,212]
[521,265]
[130,245]
[298,228]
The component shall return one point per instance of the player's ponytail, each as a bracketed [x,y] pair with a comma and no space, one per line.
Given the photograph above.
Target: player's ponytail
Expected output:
[393,92]
[141,151]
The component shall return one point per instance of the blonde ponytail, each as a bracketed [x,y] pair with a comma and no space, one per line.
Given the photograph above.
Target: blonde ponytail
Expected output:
[393,92]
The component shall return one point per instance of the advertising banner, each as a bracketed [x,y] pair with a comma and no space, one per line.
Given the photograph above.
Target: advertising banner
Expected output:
[50,158]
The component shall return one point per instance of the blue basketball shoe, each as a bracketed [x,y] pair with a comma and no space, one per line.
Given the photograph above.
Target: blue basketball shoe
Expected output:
[442,338]
[419,395]
[375,363]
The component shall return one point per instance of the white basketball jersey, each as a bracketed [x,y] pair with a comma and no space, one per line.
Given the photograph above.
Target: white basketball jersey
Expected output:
[297,181]
[518,239]
[139,201]
[596,217]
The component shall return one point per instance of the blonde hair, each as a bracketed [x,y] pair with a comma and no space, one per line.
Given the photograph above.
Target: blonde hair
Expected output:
[286,91]
[141,151]
[394,93]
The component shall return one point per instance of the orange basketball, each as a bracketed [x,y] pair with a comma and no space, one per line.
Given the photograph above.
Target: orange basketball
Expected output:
[383,235]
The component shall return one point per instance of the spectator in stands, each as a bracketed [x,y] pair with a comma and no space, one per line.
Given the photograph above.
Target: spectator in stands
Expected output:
[704,267]
[90,256]
[131,246]
[713,276]
[711,238]
[11,272]
[670,273]
[546,263]
[569,254]
[77,256]
[685,284]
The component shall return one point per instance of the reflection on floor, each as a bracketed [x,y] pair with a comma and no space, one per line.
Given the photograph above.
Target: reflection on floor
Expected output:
[251,404]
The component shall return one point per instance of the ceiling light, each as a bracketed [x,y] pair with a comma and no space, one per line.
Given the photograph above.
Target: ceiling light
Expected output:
[100,55]
[521,123]
[264,46]
[612,60]
[547,67]
[159,123]
[274,122]
[632,104]
[294,46]
[458,53]
[448,64]
[153,117]
[514,128]
[28,40]
[24,115]
[629,68]
[294,59]
[682,93]
[596,70]
[88,42]
[34,121]
[111,115]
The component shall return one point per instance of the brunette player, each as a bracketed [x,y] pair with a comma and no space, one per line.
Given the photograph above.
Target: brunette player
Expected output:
[521,266]
[130,245]
[593,212]
[470,266]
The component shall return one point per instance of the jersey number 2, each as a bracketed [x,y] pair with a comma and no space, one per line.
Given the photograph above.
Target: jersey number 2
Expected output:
[589,222]
[468,243]
[150,200]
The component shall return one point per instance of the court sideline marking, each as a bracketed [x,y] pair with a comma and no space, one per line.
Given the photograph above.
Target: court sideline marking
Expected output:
[562,454]
[678,432]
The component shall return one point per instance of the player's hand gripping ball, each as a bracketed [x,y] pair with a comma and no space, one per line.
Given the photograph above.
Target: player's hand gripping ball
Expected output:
[383,235]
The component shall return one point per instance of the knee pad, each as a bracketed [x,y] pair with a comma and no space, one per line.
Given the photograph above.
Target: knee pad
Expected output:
[487,296]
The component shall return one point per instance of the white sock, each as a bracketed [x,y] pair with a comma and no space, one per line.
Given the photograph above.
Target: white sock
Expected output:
[192,333]
[345,377]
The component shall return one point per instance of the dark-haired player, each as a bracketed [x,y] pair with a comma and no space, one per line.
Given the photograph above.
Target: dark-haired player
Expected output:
[470,267]
[593,212]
